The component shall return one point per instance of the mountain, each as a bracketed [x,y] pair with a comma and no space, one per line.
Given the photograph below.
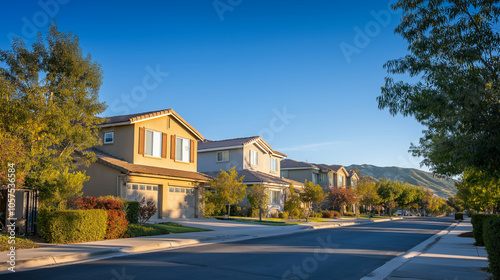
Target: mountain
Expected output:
[442,187]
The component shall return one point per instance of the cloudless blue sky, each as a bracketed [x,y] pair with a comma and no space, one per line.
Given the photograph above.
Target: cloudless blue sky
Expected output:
[233,64]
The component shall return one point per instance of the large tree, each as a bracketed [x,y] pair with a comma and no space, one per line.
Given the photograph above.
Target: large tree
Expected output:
[453,60]
[479,191]
[389,191]
[367,192]
[339,198]
[258,198]
[49,101]
[312,194]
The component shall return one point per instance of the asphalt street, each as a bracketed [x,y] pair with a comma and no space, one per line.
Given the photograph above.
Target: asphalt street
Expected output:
[339,253]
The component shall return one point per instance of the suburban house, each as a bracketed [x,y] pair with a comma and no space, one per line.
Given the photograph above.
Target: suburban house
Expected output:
[253,158]
[353,178]
[149,155]
[327,176]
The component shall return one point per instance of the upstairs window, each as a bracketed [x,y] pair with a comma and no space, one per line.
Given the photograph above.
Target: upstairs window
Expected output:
[274,164]
[182,149]
[315,178]
[153,143]
[253,157]
[109,137]
[223,156]
[322,177]
[284,173]
[341,181]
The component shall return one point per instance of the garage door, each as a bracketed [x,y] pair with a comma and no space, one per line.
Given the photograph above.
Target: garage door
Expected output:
[138,191]
[181,202]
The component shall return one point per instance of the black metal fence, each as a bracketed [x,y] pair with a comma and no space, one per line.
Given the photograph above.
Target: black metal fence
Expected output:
[25,210]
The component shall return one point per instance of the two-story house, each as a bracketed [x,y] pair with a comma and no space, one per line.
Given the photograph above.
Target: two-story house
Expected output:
[253,158]
[151,155]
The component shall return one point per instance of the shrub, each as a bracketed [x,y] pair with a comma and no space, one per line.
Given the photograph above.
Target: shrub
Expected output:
[318,215]
[70,226]
[349,214]
[132,211]
[477,221]
[146,211]
[459,216]
[117,224]
[145,230]
[491,237]
[283,215]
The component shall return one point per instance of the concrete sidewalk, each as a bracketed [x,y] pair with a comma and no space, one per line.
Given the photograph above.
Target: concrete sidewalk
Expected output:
[445,256]
[221,231]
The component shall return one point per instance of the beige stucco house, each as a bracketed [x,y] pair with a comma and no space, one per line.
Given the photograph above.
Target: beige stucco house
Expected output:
[254,159]
[151,155]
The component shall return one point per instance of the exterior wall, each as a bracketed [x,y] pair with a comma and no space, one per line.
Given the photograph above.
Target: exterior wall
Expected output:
[170,126]
[263,160]
[343,174]
[300,175]
[207,161]
[103,180]
[123,145]
[326,184]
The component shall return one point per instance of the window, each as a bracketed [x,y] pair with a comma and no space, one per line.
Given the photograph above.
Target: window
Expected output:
[275,197]
[155,188]
[341,181]
[222,156]
[148,188]
[182,149]
[323,177]
[253,157]
[128,186]
[153,143]
[330,178]
[177,190]
[274,164]
[142,187]
[134,187]
[171,189]
[315,178]
[284,173]
[109,137]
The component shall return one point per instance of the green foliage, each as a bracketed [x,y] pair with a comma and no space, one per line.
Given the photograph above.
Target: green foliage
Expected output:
[21,243]
[453,50]
[72,226]
[367,191]
[258,198]
[292,204]
[283,215]
[459,216]
[479,191]
[228,189]
[132,211]
[456,203]
[478,221]
[313,194]
[50,108]
[491,236]
[350,214]
[135,230]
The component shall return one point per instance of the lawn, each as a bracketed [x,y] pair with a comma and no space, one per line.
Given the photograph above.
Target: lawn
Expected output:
[159,229]
[265,221]
[21,243]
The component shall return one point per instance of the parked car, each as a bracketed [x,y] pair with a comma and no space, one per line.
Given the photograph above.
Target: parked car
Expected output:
[400,213]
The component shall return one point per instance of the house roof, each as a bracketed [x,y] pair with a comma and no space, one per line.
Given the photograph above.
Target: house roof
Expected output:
[293,164]
[134,118]
[352,173]
[257,177]
[128,168]
[211,145]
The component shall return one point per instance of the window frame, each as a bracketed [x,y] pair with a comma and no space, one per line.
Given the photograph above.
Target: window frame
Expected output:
[112,137]
[222,157]
[274,195]
[275,160]
[283,172]
[252,153]
[179,152]
[154,152]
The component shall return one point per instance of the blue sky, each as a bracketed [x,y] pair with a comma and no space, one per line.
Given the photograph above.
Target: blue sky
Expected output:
[304,75]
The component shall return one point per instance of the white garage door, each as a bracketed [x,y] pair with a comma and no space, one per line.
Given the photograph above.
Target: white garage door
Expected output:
[138,191]
[181,202]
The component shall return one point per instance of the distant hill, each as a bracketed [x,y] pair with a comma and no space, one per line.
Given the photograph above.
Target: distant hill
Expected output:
[442,187]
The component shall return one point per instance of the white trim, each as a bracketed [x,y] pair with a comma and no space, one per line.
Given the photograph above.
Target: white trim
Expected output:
[113,124]
[217,156]
[112,137]
[220,148]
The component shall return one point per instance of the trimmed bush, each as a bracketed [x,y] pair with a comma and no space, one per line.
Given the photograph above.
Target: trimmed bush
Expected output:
[132,211]
[477,221]
[327,214]
[350,214]
[283,215]
[459,216]
[72,226]
[117,224]
[336,214]
[491,237]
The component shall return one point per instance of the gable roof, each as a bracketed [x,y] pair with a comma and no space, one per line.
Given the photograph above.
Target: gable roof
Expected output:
[235,143]
[139,117]
[128,168]
[293,164]
[352,173]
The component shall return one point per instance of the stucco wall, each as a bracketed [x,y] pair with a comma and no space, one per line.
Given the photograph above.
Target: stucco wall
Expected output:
[103,180]
[123,145]
[263,160]
[207,161]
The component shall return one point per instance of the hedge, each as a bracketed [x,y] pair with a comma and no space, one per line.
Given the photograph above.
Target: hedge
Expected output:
[491,237]
[132,211]
[459,216]
[72,226]
[477,221]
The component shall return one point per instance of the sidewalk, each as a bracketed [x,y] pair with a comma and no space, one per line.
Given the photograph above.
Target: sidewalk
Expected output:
[221,231]
[445,256]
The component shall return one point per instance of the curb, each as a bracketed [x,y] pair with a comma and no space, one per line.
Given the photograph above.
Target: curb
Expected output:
[53,260]
[390,266]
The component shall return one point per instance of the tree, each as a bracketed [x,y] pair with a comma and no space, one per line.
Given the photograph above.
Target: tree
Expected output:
[456,203]
[50,108]
[407,197]
[453,51]
[292,203]
[479,191]
[313,194]
[228,188]
[389,191]
[367,191]
[258,198]
[341,197]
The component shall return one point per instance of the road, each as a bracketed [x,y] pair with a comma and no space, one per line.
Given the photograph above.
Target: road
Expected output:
[340,253]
